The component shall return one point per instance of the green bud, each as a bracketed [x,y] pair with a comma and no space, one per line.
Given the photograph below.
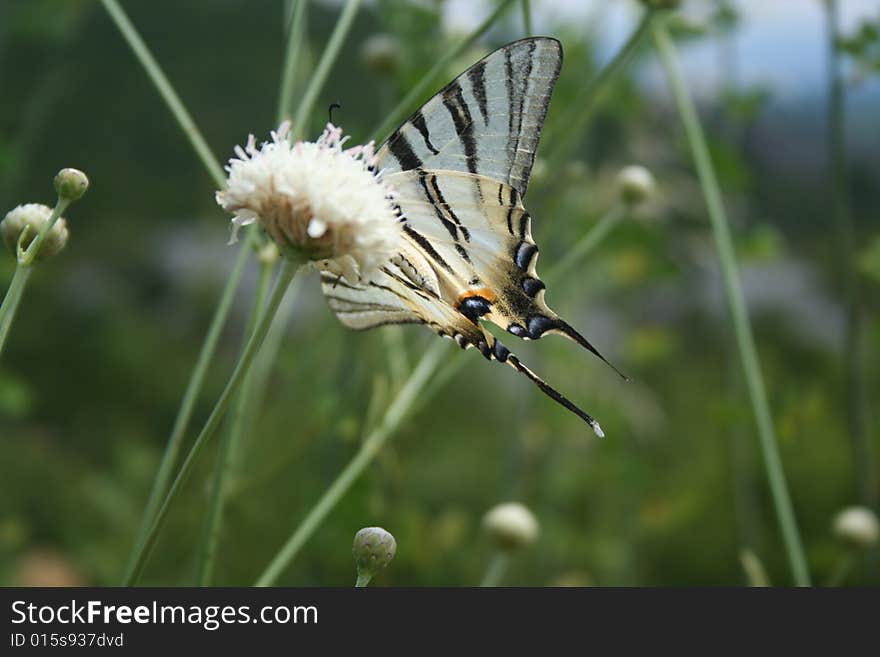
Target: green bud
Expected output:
[373,549]
[511,526]
[636,184]
[71,184]
[24,222]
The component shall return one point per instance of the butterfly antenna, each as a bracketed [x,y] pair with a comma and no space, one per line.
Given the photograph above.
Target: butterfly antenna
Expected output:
[553,394]
[330,109]
[568,331]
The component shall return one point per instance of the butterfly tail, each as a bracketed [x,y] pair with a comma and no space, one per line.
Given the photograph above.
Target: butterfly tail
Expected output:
[503,355]
[564,328]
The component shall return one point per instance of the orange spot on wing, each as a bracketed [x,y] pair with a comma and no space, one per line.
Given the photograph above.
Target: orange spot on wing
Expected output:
[483,292]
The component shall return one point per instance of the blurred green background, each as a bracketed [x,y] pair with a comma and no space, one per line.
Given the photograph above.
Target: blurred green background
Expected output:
[109,330]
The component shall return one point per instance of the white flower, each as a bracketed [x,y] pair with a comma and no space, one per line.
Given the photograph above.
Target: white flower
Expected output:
[314,198]
[511,525]
[858,526]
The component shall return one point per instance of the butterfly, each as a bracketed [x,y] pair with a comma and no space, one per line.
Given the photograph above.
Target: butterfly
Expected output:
[460,168]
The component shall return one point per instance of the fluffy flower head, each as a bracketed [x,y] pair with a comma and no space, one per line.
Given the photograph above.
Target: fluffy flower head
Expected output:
[315,198]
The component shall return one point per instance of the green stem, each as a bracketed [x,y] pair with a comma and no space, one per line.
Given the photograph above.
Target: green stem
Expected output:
[295,36]
[842,218]
[285,276]
[362,580]
[736,303]
[267,360]
[209,346]
[188,402]
[11,301]
[495,570]
[22,273]
[405,106]
[562,140]
[328,58]
[228,447]
[130,34]
[394,416]
[590,240]
[527,16]
[842,569]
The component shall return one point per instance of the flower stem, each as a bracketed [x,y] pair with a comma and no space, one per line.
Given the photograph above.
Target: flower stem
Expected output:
[295,37]
[209,346]
[842,569]
[590,240]
[11,301]
[842,218]
[328,58]
[130,34]
[362,580]
[283,280]
[527,16]
[394,416]
[405,106]
[26,258]
[495,570]
[736,303]
[188,402]
[229,446]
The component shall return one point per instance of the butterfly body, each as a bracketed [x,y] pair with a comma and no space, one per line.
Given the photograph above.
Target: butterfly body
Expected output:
[460,168]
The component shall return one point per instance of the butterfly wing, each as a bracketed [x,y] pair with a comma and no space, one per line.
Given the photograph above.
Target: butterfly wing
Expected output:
[487,121]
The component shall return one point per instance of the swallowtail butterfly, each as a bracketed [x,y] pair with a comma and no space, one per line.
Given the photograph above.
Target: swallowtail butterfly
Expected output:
[460,169]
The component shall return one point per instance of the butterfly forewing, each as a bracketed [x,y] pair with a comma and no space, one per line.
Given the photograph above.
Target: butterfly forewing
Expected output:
[487,121]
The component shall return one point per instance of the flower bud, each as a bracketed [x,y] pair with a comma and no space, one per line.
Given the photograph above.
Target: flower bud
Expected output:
[373,549]
[381,53]
[25,221]
[71,184]
[857,526]
[268,254]
[511,526]
[636,184]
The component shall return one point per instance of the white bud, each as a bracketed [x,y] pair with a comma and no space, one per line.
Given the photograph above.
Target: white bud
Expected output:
[636,184]
[25,221]
[857,525]
[511,526]
[381,53]
[71,184]
[268,254]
